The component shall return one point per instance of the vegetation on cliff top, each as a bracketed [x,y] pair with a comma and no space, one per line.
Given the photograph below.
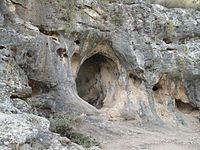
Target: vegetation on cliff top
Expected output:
[179,3]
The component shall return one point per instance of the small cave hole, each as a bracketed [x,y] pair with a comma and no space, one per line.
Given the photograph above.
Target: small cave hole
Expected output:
[156,87]
[2,47]
[171,49]
[77,42]
[14,96]
[53,34]
[135,78]
[14,50]
[132,76]
[62,52]
[184,107]
[94,78]
[167,40]
[30,54]
[14,111]
[46,32]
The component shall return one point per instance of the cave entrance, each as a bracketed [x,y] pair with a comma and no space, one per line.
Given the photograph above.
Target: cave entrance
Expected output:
[96,76]
[184,107]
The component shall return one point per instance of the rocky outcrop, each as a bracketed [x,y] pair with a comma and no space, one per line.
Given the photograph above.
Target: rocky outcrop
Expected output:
[125,60]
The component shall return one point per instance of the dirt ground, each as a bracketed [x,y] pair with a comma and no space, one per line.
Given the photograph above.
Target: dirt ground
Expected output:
[130,135]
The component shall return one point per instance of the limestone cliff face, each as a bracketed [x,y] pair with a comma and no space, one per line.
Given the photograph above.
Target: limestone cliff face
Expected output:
[126,60]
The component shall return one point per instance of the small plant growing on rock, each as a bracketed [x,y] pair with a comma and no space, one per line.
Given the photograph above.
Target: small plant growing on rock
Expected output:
[61,2]
[63,124]
[181,64]
[60,124]
[81,139]
[157,22]
[117,17]
[170,31]
[195,4]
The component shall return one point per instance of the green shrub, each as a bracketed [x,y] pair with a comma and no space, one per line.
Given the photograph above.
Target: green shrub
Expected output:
[63,124]
[178,3]
[109,1]
[62,3]
[60,124]
[81,139]
[117,19]
[181,64]
[170,30]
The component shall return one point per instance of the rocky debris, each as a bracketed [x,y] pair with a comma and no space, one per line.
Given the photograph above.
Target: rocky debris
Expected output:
[27,131]
[21,105]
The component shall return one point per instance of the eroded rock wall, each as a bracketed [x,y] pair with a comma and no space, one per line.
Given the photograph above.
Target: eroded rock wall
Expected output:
[155,52]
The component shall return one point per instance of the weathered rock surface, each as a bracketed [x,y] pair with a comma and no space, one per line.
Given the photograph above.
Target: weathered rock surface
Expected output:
[111,60]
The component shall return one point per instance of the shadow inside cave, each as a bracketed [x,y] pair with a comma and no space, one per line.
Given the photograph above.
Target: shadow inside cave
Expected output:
[96,76]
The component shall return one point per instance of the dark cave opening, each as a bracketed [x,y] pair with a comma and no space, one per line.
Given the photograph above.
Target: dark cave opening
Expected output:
[62,52]
[94,78]
[157,86]
[184,107]
[77,42]
[2,47]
